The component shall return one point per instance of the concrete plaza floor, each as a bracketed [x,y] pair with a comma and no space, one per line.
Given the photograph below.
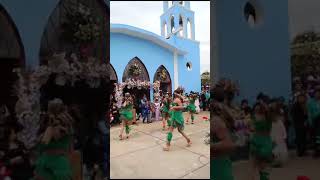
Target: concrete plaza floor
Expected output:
[296,166]
[142,155]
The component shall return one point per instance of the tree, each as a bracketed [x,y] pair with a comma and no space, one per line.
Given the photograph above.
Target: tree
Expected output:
[205,78]
[305,56]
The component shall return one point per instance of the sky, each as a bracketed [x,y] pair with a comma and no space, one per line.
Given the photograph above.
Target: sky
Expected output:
[304,16]
[146,15]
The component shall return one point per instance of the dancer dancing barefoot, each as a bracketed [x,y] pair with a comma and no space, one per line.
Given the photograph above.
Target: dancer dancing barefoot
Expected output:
[176,120]
[165,110]
[191,108]
[222,144]
[261,143]
[126,115]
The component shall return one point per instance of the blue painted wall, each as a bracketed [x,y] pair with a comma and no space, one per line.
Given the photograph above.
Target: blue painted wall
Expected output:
[123,48]
[30,18]
[127,42]
[190,80]
[257,57]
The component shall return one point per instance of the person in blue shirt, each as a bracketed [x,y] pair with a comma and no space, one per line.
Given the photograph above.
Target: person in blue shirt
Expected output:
[314,119]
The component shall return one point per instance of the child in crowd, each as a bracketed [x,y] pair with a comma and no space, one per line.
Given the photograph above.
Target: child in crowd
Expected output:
[157,109]
[145,111]
[279,136]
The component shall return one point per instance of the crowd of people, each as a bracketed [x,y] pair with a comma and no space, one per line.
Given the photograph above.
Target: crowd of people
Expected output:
[267,128]
[148,111]
[171,109]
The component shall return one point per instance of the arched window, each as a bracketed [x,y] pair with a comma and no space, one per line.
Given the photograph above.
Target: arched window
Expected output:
[172,23]
[10,41]
[11,56]
[135,69]
[252,13]
[189,66]
[60,32]
[113,73]
[163,75]
[181,26]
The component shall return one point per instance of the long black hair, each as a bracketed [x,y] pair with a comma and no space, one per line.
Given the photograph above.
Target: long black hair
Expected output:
[219,109]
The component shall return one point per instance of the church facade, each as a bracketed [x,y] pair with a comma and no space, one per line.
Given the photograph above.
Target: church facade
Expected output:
[173,58]
[30,34]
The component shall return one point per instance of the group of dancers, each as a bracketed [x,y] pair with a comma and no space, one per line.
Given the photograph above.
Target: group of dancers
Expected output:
[172,114]
[223,142]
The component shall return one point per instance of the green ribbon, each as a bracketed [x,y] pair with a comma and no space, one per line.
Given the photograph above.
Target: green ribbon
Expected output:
[264,175]
[169,136]
[127,129]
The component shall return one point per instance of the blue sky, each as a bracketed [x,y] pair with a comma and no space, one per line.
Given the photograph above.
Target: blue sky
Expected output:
[146,15]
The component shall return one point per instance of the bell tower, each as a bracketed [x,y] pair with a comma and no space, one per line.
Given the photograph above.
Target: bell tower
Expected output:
[177,20]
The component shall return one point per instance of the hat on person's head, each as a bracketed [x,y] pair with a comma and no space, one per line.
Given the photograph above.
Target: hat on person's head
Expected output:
[127,94]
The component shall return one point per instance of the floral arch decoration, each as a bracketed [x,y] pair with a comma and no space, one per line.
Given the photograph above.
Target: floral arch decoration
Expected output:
[131,83]
[67,72]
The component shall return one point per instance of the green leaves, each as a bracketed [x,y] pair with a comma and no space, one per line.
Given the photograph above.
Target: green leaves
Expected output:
[305,54]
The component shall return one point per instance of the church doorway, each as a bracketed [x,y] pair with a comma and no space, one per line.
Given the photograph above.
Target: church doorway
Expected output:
[11,56]
[87,104]
[136,70]
[162,75]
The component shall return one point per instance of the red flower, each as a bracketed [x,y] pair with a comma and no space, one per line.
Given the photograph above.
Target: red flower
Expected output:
[303,178]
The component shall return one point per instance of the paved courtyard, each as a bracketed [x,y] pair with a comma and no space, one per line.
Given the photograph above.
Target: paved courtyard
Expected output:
[296,166]
[142,156]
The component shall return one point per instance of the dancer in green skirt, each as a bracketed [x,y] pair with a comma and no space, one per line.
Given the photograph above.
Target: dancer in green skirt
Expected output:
[191,108]
[221,137]
[176,120]
[126,115]
[165,110]
[261,143]
[53,162]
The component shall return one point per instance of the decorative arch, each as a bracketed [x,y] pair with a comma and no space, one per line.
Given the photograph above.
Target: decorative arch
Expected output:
[172,23]
[52,42]
[113,73]
[163,75]
[143,76]
[181,33]
[11,46]
[12,55]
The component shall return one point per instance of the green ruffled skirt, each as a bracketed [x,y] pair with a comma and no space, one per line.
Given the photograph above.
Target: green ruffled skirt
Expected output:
[261,147]
[176,120]
[53,167]
[164,111]
[221,169]
[191,108]
[126,114]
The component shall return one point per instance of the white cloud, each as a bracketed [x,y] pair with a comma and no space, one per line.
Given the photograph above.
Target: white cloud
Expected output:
[146,15]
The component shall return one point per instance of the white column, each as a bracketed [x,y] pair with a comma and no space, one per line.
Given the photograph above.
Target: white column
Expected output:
[185,27]
[169,26]
[165,6]
[192,29]
[162,26]
[175,70]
